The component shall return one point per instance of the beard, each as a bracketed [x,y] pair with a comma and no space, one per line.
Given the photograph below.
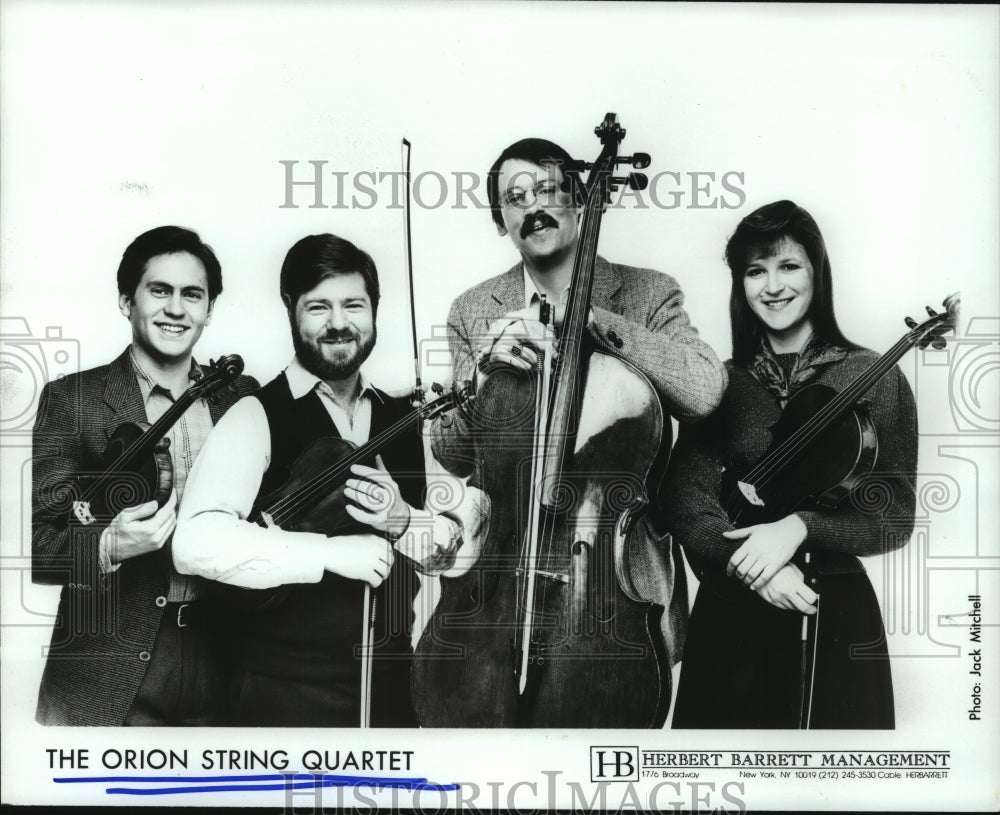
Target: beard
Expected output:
[311,355]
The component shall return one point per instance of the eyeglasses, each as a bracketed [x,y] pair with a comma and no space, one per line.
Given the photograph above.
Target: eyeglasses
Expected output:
[545,193]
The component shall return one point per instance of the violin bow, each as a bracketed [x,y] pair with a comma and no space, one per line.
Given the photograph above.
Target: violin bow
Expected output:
[543,386]
[418,399]
[367,635]
[807,666]
[418,389]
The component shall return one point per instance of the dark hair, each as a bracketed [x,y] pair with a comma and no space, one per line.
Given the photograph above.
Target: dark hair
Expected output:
[534,151]
[758,236]
[317,257]
[166,240]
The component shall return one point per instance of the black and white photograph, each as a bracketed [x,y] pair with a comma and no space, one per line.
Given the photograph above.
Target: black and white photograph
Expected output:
[512,405]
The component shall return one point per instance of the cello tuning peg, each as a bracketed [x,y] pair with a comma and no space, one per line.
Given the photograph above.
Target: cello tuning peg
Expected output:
[930,312]
[637,181]
[437,388]
[638,160]
[634,181]
[910,322]
[939,343]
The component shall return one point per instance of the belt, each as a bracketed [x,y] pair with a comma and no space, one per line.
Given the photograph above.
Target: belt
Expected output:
[182,614]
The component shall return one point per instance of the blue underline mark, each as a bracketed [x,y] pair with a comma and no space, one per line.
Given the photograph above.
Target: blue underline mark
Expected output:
[242,783]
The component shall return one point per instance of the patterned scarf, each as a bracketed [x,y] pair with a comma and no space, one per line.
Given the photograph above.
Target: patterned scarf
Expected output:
[815,356]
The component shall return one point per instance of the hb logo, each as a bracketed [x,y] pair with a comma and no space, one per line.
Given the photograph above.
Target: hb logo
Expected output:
[614,763]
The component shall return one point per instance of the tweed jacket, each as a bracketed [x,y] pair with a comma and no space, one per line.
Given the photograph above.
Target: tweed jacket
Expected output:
[639,317]
[106,623]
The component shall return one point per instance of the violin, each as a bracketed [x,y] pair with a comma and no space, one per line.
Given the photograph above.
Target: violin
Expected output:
[546,629]
[312,498]
[824,444]
[136,465]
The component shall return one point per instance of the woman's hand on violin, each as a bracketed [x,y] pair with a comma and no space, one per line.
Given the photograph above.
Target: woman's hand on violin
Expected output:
[140,529]
[766,549]
[360,557]
[376,501]
[515,340]
[788,590]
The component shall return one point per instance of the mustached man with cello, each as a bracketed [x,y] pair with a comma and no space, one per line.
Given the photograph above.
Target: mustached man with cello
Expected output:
[266,512]
[133,643]
[633,315]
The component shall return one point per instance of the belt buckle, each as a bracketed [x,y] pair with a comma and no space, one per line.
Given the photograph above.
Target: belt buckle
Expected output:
[180,615]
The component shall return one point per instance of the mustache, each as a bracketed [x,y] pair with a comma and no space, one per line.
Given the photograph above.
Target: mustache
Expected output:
[334,335]
[532,219]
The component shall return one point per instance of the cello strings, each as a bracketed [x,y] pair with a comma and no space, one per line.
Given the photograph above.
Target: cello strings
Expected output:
[574,323]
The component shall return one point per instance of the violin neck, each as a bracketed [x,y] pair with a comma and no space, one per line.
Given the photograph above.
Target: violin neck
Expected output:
[148,441]
[864,383]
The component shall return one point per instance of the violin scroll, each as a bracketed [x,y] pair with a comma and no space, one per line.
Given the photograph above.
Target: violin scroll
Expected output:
[226,369]
[931,332]
[460,397]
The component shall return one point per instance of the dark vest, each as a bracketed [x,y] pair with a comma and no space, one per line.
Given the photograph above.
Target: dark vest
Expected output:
[310,633]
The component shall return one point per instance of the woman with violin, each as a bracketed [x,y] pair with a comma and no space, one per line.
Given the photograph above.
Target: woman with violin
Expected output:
[786,630]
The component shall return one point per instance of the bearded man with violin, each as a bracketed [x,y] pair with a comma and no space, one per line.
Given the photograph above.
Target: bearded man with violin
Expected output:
[133,643]
[303,547]
[634,315]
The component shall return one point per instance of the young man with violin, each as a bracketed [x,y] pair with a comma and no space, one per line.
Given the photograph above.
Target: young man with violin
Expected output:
[635,315]
[263,493]
[132,643]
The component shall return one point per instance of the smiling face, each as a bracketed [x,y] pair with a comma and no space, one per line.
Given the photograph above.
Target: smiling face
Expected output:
[539,217]
[333,328]
[170,308]
[779,291]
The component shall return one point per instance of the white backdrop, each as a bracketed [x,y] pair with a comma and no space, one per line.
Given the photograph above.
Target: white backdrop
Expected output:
[881,121]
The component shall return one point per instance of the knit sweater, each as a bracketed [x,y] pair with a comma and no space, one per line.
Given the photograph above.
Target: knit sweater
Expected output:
[877,518]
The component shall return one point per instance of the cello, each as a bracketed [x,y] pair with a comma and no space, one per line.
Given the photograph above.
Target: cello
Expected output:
[546,629]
